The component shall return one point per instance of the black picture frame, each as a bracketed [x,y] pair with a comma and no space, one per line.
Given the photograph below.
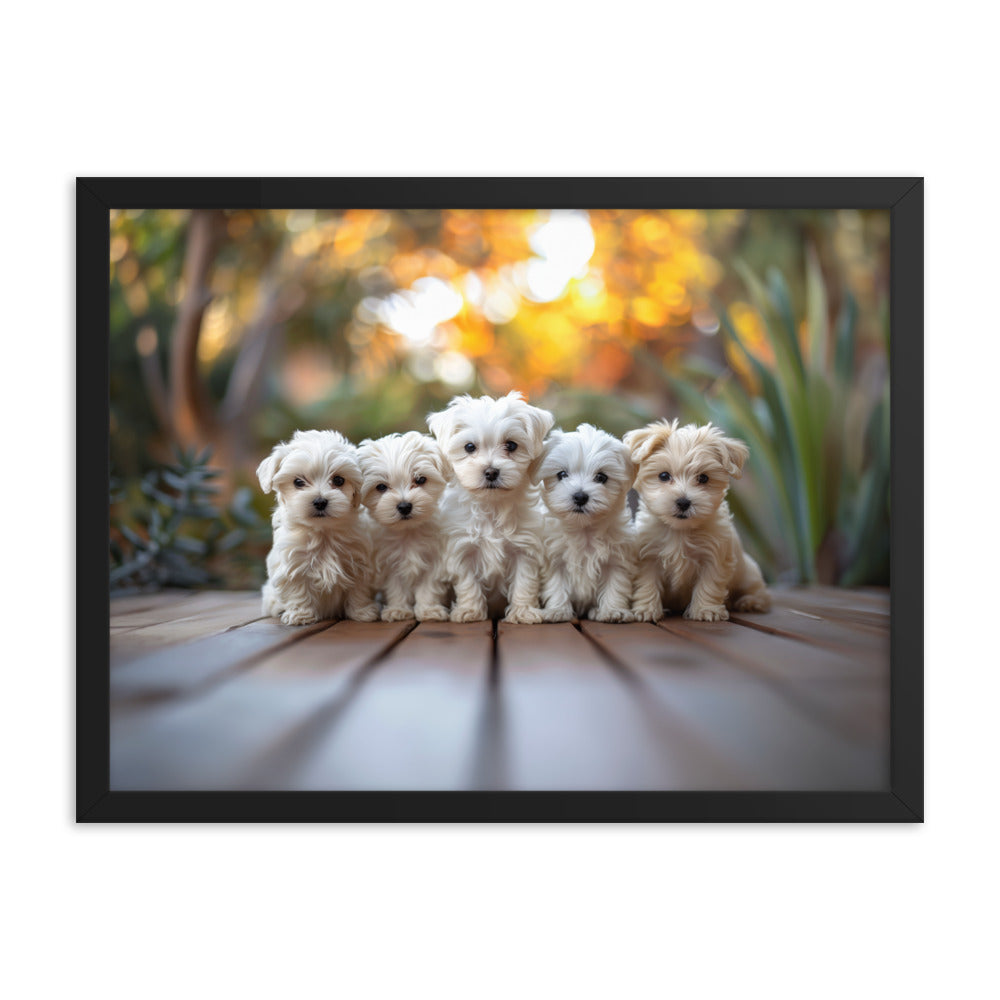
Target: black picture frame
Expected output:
[902,197]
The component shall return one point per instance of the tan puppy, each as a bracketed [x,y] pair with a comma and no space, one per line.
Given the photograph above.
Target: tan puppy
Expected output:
[320,563]
[690,557]
[404,476]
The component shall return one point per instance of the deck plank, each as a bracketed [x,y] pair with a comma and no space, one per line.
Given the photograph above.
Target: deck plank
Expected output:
[130,644]
[413,723]
[250,729]
[177,671]
[850,607]
[848,692]
[741,717]
[569,719]
[207,695]
[131,603]
[194,605]
[817,628]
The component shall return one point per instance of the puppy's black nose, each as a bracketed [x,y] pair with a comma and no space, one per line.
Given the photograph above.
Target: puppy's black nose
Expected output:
[492,475]
[683,503]
[404,508]
[580,498]
[320,503]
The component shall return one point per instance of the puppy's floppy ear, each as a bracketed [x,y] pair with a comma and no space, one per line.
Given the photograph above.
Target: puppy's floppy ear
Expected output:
[733,454]
[355,477]
[641,443]
[436,454]
[631,469]
[364,454]
[539,423]
[536,470]
[442,423]
[268,469]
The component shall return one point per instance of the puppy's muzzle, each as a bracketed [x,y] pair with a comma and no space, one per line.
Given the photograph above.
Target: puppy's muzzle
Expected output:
[580,499]
[404,508]
[491,475]
[683,504]
[320,503]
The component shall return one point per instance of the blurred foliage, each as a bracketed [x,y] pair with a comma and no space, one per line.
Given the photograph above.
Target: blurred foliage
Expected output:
[818,435]
[172,532]
[366,320]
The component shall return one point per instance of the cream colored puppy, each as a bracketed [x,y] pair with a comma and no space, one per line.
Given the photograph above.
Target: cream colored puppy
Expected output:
[403,477]
[320,563]
[690,557]
[589,545]
[493,553]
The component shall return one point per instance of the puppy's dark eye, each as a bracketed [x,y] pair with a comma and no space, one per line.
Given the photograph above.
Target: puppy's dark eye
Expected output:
[381,487]
[703,478]
[337,480]
[665,476]
[470,447]
[600,478]
[420,480]
[299,483]
[510,446]
[561,475]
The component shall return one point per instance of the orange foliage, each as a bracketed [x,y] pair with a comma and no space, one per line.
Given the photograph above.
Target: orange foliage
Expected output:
[563,297]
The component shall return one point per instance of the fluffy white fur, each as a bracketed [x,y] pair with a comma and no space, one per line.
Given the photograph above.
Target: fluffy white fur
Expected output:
[320,563]
[589,545]
[494,542]
[690,557]
[403,478]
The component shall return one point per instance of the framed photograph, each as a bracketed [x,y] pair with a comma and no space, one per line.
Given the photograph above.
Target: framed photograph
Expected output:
[500,499]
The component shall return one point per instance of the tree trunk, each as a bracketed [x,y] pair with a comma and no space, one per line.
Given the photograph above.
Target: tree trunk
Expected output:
[190,412]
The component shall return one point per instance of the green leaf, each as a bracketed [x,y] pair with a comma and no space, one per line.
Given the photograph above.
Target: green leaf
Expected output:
[786,328]
[846,325]
[816,312]
[191,545]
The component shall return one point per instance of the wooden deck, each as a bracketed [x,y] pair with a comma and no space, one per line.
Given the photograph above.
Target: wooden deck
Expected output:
[206,694]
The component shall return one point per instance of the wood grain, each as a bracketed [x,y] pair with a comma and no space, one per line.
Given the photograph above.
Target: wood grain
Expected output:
[849,692]
[413,721]
[777,744]
[206,695]
[193,605]
[130,644]
[571,718]
[178,671]
[256,726]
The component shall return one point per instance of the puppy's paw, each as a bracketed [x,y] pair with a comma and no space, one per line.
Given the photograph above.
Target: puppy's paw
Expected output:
[524,616]
[557,614]
[620,615]
[298,616]
[396,614]
[649,613]
[431,613]
[760,600]
[707,613]
[366,613]
[468,613]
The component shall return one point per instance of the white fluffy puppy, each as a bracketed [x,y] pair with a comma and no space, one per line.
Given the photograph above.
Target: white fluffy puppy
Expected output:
[320,563]
[493,553]
[403,477]
[690,557]
[589,545]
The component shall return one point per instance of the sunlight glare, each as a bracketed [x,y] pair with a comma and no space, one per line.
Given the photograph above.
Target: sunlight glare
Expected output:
[415,313]
[564,244]
[455,369]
